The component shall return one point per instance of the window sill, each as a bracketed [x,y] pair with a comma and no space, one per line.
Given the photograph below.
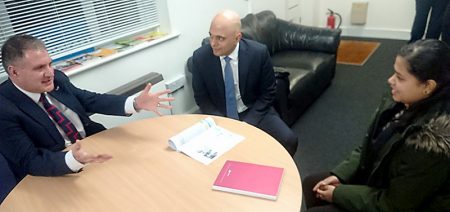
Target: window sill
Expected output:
[139,47]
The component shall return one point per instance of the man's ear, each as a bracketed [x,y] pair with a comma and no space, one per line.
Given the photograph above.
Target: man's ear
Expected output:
[239,36]
[12,71]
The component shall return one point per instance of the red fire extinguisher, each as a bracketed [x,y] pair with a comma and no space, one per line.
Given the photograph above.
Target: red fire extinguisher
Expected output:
[331,20]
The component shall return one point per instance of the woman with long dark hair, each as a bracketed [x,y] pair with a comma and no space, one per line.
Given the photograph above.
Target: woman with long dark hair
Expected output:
[404,161]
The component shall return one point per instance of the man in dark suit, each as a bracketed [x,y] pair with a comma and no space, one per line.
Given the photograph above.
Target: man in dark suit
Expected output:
[234,77]
[446,25]
[431,11]
[42,113]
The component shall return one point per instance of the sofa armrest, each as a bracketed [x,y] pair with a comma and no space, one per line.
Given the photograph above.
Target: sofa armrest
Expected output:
[293,36]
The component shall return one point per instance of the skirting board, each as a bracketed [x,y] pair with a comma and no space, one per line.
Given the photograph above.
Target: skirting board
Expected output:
[376,33]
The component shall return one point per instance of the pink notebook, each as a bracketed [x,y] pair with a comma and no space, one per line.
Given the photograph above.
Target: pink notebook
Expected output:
[249,179]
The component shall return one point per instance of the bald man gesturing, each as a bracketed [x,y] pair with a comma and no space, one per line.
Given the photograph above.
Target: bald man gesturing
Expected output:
[234,77]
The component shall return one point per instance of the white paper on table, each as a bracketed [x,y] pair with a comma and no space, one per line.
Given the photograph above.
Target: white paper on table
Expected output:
[204,141]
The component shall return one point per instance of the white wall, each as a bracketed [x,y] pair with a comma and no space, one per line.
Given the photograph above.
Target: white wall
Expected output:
[289,10]
[190,18]
[385,18]
[278,7]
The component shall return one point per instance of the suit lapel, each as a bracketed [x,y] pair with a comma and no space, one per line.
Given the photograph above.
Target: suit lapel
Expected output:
[29,107]
[69,100]
[243,64]
[64,98]
[217,76]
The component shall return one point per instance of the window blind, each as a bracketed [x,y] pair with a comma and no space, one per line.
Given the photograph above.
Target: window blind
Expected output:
[69,26]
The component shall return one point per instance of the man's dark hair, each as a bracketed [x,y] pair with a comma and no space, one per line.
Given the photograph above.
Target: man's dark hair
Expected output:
[14,48]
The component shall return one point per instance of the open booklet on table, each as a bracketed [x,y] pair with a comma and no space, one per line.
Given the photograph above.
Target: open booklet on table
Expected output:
[205,141]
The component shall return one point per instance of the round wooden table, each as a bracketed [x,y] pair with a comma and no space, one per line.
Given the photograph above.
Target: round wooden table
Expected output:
[146,175]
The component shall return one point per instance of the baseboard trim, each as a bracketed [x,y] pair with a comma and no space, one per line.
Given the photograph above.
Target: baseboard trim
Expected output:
[385,33]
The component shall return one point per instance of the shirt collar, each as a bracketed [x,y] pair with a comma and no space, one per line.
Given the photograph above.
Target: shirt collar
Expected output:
[34,96]
[234,54]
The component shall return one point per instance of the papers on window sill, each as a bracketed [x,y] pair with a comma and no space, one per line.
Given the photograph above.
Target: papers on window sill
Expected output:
[204,141]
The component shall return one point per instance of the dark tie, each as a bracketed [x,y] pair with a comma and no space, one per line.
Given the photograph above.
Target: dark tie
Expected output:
[230,94]
[60,119]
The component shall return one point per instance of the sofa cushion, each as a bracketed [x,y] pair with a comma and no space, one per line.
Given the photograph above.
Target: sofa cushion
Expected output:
[321,65]
[302,59]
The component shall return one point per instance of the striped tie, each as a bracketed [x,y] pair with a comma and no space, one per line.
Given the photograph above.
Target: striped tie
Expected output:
[60,119]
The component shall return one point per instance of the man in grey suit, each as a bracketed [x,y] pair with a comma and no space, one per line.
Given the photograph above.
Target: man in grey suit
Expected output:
[234,77]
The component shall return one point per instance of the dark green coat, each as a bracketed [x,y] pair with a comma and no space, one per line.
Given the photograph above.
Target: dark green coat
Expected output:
[410,173]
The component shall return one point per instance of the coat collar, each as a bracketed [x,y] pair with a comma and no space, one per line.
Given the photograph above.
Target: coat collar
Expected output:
[431,132]
[33,96]
[433,136]
[234,55]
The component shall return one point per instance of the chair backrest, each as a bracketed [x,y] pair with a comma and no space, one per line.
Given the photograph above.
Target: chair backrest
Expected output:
[7,178]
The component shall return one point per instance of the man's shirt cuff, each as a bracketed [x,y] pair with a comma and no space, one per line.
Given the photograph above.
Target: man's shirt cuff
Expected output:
[129,107]
[72,163]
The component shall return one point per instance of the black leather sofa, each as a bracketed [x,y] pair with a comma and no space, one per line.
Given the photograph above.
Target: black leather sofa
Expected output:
[304,60]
